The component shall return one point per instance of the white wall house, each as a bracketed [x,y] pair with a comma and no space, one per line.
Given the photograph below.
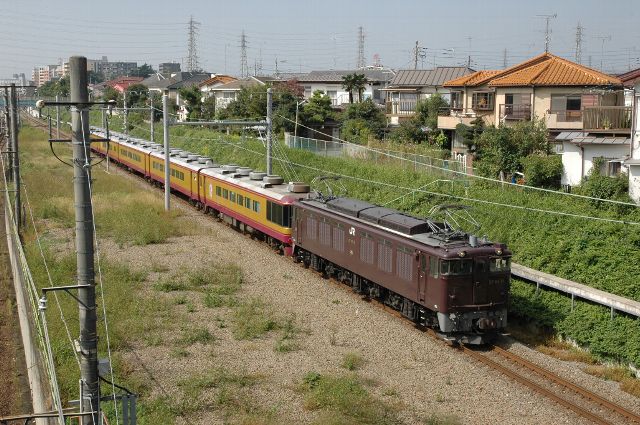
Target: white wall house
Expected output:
[330,82]
[634,162]
[580,153]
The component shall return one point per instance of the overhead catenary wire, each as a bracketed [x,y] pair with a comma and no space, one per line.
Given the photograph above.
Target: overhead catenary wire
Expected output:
[419,190]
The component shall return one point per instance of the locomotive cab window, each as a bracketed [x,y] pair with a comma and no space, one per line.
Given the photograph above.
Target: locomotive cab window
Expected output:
[279,214]
[456,267]
[499,264]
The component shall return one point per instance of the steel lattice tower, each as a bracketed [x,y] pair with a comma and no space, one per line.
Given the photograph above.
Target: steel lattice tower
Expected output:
[579,43]
[361,62]
[244,67]
[192,57]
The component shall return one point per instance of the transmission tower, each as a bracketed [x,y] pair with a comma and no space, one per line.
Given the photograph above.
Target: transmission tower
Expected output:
[579,38]
[192,59]
[547,31]
[244,68]
[361,61]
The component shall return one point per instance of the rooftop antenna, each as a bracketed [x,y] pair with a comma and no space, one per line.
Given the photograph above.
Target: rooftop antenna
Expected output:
[547,31]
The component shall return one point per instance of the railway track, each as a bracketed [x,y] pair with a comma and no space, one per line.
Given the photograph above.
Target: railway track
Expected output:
[578,399]
[581,401]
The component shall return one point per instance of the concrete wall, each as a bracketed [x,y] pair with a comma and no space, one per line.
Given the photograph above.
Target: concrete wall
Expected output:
[577,163]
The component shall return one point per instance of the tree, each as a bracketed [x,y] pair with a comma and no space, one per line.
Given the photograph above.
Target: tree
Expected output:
[110,93]
[52,88]
[191,98]
[209,108]
[427,111]
[354,82]
[361,120]
[421,127]
[95,77]
[144,71]
[137,96]
[317,109]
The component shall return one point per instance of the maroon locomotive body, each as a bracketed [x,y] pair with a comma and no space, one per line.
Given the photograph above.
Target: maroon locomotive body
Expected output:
[433,275]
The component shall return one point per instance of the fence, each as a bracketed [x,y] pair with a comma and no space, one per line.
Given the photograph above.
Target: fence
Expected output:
[416,162]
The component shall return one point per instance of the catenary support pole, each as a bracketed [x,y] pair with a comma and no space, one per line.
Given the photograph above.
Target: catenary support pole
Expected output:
[269,128]
[165,130]
[126,113]
[88,341]
[57,118]
[8,127]
[16,159]
[152,117]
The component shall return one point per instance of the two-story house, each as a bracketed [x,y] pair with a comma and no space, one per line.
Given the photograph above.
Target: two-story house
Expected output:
[631,80]
[330,82]
[409,86]
[582,108]
[228,92]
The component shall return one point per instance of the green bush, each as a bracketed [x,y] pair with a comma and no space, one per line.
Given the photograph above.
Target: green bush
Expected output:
[542,171]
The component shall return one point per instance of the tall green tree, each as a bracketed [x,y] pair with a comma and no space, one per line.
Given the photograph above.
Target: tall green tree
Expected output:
[317,109]
[363,120]
[144,71]
[191,98]
[52,88]
[354,83]
[137,96]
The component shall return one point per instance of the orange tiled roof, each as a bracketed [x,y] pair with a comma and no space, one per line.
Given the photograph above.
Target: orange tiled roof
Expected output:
[223,79]
[475,79]
[543,70]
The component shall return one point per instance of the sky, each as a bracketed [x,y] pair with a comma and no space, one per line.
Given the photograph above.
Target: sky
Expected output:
[305,35]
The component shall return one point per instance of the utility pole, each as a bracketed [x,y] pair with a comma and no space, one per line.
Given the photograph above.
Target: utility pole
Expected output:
[7,121]
[16,159]
[602,38]
[88,341]
[165,129]
[415,56]
[152,116]
[126,112]
[504,58]
[57,118]
[269,125]
[578,57]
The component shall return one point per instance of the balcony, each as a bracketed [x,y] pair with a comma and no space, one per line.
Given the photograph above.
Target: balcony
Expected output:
[606,118]
[449,118]
[403,108]
[515,112]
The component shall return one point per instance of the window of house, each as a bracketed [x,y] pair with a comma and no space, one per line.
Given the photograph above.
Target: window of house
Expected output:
[456,100]
[483,101]
[567,107]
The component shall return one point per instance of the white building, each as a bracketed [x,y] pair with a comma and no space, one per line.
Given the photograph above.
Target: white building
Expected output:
[633,163]
[330,83]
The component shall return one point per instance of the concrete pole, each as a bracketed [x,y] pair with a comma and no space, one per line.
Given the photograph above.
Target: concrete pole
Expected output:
[16,159]
[104,118]
[165,130]
[57,119]
[88,341]
[152,117]
[8,127]
[126,113]
[269,128]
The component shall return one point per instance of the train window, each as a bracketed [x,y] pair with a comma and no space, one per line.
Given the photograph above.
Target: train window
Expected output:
[423,263]
[324,229]
[218,191]
[385,256]
[279,214]
[499,264]
[247,202]
[433,267]
[225,193]
[367,248]
[232,196]
[456,267]
[404,263]
[256,206]
[240,200]
[338,238]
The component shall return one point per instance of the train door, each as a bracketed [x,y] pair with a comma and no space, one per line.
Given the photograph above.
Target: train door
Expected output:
[480,280]
[202,194]
[422,276]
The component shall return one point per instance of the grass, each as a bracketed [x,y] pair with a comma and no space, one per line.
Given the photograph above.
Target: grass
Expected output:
[252,319]
[287,341]
[345,400]
[192,336]
[550,345]
[628,382]
[169,285]
[352,361]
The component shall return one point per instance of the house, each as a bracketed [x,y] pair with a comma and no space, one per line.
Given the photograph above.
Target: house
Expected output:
[330,82]
[583,109]
[227,93]
[122,83]
[409,86]
[160,82]
[214,81]
[632,79]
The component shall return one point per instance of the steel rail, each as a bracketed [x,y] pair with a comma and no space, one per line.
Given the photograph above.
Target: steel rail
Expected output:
[583,392]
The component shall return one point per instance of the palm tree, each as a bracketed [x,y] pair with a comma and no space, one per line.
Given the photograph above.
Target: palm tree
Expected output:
[354,82]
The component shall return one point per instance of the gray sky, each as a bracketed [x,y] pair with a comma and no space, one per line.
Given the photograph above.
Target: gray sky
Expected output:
[305,35]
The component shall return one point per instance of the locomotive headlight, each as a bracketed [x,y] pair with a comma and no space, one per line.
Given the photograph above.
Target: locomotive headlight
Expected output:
[499,251]
[462,254]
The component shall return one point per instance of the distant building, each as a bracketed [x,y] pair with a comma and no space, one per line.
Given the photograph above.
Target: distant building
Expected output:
[108,69]
[45,73]
[168,68]
[330,83]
